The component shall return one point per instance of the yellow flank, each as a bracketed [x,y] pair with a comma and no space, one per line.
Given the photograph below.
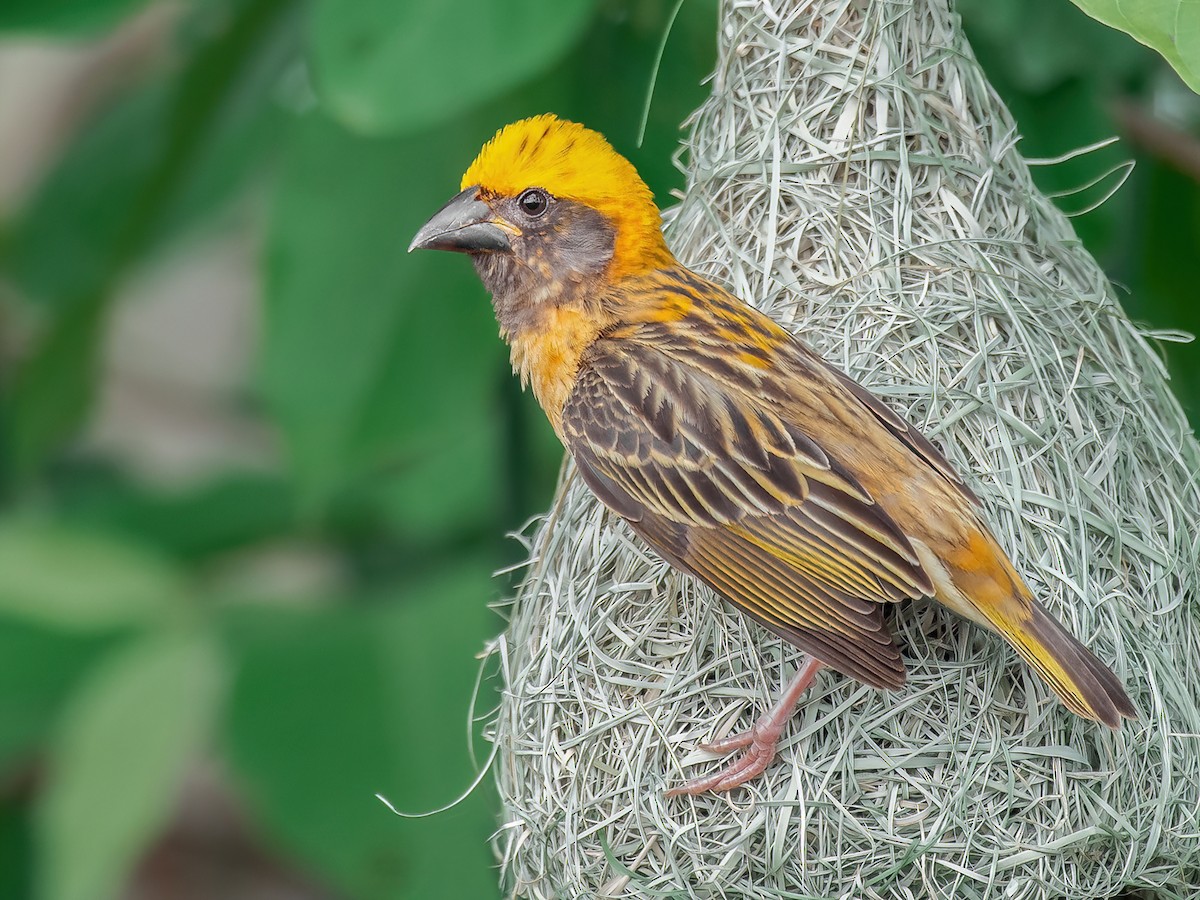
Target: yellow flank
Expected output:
[982,572]
[575,163]
[547,356]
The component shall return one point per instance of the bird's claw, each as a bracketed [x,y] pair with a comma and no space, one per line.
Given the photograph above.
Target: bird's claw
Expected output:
[760,742]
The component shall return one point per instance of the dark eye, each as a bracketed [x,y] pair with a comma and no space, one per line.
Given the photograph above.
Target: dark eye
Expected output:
[534,202]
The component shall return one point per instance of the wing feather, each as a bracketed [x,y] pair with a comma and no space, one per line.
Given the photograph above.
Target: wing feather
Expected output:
[726,486]
[841,630]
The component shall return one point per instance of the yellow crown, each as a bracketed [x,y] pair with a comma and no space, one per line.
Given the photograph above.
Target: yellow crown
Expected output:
[572,162]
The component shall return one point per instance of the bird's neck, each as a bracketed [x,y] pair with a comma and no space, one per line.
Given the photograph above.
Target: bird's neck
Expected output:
[550,319]
[547,355]
[547,321]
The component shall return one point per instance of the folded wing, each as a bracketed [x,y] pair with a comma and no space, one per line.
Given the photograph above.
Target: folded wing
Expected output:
[726,487]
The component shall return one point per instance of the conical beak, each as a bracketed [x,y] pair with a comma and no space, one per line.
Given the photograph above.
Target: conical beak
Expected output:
[464,225]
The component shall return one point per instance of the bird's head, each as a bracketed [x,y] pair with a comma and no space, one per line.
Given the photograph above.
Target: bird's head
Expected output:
[548,205]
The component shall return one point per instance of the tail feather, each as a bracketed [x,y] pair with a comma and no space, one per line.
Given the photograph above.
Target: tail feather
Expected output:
[1085,685]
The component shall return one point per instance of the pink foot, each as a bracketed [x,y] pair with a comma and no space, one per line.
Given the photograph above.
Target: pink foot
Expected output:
[760,741]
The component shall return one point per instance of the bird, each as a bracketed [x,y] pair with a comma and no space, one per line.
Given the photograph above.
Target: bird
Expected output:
[729,446]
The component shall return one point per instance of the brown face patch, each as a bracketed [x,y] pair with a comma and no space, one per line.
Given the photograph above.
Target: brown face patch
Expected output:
[554,257]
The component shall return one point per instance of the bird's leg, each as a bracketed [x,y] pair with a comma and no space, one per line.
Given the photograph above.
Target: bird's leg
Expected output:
[760,740]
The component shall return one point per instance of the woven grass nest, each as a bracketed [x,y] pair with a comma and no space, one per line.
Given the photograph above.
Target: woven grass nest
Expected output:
[855,176]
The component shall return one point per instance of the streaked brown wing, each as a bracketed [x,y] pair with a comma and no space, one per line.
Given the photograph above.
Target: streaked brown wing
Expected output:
[836,627]
[729,490]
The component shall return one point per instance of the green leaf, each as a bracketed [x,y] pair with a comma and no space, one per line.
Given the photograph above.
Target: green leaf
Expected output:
[1172,27]
[450,480]
[1022,40]
[79,214]
[329,708]
[16,845]
[53,389]
[54,257]
[226,513]
[69,17]
[1170,270]
[373,358]
[383,66]
[78,581]
[126,741]
[38,668]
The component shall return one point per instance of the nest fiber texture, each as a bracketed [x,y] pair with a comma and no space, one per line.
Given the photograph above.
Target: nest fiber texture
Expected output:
[855,176]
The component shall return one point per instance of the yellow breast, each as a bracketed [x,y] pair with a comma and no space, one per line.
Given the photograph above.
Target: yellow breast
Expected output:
[547,354]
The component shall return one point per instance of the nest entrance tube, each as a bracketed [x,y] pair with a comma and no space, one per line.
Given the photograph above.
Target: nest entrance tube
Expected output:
[855,176]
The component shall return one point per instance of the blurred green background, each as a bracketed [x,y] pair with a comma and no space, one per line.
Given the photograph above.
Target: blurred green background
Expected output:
[257,464]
